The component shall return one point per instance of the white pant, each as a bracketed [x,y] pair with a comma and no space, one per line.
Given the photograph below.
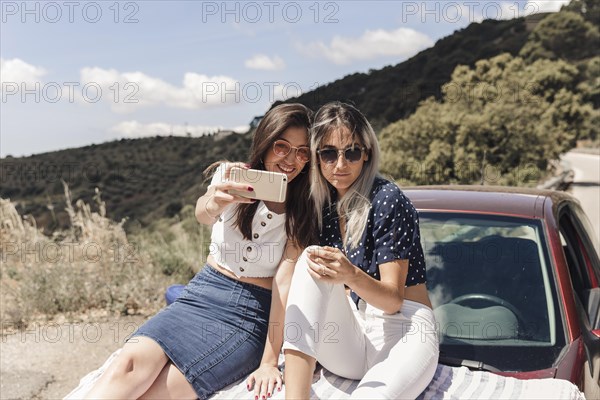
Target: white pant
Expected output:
[393,355]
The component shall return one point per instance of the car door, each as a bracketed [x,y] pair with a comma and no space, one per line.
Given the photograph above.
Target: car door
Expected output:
[581,254]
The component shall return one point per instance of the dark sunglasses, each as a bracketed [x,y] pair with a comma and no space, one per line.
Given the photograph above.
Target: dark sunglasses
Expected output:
[352,154]
[282,148]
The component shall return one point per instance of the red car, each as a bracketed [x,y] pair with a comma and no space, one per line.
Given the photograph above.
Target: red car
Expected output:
[513,275]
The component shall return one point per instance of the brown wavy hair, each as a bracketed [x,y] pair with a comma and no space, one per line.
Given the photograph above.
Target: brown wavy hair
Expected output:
[300,214]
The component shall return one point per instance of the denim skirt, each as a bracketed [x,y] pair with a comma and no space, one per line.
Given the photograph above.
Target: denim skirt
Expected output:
[215,332]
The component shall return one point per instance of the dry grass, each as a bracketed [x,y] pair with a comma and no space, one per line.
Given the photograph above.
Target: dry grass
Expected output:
[93,265]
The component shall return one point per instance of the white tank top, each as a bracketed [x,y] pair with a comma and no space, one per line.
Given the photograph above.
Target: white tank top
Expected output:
[258,257]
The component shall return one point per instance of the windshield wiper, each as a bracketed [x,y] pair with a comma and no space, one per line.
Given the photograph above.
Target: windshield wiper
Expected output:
[471,364]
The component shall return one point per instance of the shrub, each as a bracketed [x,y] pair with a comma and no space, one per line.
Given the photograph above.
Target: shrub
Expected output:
[90,265]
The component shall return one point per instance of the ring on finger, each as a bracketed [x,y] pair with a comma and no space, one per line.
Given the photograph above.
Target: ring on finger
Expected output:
[323,271]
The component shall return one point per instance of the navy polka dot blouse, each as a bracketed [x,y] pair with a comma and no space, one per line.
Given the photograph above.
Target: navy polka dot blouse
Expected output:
[392,233]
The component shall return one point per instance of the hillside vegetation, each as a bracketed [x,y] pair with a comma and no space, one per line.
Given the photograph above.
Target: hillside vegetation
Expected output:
[503,120]
[140,179]
[93,263]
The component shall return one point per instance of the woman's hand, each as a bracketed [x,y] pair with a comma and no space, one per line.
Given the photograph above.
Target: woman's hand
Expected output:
[331,264]
[265,380]
[219,197]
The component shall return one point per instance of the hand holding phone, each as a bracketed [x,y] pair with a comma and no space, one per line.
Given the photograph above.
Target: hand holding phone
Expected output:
[268,186]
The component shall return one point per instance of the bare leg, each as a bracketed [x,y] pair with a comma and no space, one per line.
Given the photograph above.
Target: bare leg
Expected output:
[170,384]
[298,371]
[133,372]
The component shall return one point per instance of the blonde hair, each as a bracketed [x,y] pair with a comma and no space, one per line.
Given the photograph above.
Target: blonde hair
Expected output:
[355,204]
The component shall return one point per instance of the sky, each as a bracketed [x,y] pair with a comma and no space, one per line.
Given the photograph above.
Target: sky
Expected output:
[74,73]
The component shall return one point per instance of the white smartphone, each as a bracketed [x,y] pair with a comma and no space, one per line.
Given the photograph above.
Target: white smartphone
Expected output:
[268,186]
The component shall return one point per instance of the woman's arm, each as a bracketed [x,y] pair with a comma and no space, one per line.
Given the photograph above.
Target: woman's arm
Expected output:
[267,376]
[387,294]
[207,210]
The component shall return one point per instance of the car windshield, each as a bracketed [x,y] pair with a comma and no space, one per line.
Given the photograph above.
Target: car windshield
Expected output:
[492,289]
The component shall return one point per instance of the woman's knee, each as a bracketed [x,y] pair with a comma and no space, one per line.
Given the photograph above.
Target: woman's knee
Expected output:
[129,362]
[137,363]
[301,268]
[123,367]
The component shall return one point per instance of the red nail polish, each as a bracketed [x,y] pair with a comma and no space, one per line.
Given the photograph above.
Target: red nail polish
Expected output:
[250,189]
[279,389]
[268,394]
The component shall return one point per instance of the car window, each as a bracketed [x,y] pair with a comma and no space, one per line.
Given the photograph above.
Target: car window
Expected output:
[589,242]
[492,287]
[586,229]
[582,263]
[575,260]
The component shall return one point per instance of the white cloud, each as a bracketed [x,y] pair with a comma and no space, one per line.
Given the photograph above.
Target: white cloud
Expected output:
[131,129]
[402,42]
[474,12]
[18,71]
[264,62]
[128,91]
[510,9]
[453,12]
[538,6]
[241,128]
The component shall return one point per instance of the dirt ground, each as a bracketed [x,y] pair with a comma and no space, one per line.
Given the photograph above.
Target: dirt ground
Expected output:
[48,359]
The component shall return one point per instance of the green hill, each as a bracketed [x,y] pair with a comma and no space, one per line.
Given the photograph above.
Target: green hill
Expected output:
[393,92]
[142,179]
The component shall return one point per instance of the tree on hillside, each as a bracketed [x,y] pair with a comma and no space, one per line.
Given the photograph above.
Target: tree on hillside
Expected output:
[589,9]
[563,35]
[498,122]
[590,82]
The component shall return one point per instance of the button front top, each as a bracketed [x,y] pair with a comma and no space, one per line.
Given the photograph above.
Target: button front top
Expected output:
[269,215]
[255,236]
[263,223]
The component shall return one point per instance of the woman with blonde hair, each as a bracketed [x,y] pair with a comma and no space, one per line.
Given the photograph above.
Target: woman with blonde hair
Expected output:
[381,329]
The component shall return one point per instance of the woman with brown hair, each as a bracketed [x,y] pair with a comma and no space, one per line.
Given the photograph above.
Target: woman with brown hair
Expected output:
[216,332]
